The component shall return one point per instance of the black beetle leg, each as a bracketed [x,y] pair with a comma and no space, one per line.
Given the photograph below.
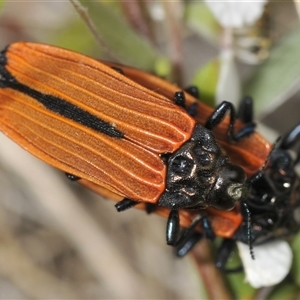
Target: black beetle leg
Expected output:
[188,232]
[179,99]
[119,70]
[289,141]
[182,249]
[245,112]
[190,236]
[223,254]
[151,207]
[125,204]
[218,115]
[193,90]
[173,228]
[72,177]
[290,138]
[192,109]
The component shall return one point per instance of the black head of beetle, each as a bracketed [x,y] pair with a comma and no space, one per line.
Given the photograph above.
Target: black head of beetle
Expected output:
[200,175]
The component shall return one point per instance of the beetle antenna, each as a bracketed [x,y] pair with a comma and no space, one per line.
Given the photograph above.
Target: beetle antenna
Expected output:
[249,229]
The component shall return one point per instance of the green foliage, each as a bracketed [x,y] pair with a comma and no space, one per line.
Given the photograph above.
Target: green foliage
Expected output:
[199,18]
[76,36]
[279,76]
[124,43]
[296,261]
[286,291]
[206,79]
[236,281]
[2,4]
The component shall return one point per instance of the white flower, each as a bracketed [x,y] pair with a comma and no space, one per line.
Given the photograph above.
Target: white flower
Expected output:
[271,265]
[236,14]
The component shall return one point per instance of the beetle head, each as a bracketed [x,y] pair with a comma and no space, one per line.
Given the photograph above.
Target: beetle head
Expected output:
[200,175]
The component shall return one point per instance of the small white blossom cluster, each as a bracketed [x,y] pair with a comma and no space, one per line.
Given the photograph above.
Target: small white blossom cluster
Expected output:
[236,14]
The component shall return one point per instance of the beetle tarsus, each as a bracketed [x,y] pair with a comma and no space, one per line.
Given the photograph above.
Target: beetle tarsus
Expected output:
[245,112]
[207,228]
[223,254]
[72,177]
[150,208]
[182,249]
[125,204]
[291,138]
[179,99]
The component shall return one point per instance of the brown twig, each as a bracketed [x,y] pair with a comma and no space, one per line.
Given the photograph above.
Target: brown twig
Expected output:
[83,12]
[174,41]
[138,16]
[211,276]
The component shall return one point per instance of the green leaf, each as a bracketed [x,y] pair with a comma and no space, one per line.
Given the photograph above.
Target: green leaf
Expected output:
[2,4]
[206,79]
[124,43]
[200,18]
[279,77]
[162,67]
[296,259]
[284,291]
[76,36]
[236,281]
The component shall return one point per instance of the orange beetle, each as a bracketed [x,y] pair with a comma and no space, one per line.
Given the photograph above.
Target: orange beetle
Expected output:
[250,153]
[121,136]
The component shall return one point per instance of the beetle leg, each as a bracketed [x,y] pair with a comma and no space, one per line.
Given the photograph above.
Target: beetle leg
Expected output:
[119,70]
[245,112]
[291,138]
[151,207]
[218,115]
[192,109]
[190,230]
[125,204]
[183,249]
[297,160]
[280,158]
[223,254]
[190,236]
[173,228]
[179,99]
[194,91]
[72,177]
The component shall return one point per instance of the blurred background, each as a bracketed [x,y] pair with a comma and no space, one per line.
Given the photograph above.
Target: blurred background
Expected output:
[59,240]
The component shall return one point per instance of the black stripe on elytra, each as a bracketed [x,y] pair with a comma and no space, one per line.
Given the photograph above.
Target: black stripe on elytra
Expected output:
[56,104]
